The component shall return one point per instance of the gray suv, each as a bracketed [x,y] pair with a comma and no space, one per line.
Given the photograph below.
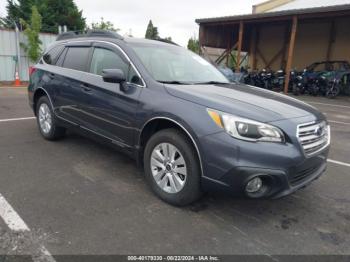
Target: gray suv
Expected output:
[178,117]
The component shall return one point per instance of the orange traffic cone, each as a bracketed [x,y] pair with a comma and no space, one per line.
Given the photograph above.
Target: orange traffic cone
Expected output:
[17,80]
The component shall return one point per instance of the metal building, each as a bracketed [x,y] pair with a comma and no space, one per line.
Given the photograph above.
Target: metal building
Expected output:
[282,39]
[8,54]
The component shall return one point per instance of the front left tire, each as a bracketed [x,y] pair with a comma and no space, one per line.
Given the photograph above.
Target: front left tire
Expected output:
[172,168]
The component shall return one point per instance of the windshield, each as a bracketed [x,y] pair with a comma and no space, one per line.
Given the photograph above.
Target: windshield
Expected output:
[173,64]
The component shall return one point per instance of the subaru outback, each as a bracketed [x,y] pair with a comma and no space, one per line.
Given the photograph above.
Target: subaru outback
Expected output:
[178,117]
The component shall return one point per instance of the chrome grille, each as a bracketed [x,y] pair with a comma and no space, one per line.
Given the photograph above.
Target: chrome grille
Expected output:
[313,137]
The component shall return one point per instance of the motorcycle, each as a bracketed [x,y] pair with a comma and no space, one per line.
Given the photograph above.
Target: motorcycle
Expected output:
[278,80]
[265,79]
[306,84]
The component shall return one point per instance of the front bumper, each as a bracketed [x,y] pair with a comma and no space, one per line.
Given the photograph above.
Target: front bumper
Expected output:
[228,165]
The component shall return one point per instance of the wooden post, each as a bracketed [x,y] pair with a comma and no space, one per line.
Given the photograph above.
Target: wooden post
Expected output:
[239,50]
[290,52]
[228,48]
[201,38]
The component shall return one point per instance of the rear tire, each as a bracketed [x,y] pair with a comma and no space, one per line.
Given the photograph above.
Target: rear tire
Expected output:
[47,122]
[333,92]
[172,168]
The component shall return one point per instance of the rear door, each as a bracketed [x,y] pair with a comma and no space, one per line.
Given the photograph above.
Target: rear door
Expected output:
[70,94]
[111,109]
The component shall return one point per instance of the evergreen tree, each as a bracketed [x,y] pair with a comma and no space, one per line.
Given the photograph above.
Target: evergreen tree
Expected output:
[152,31]
[64,12]
[53,13]
[193,45]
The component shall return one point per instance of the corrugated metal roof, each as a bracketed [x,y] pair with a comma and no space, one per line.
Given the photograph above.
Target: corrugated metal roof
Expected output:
[302,4]
[275,14]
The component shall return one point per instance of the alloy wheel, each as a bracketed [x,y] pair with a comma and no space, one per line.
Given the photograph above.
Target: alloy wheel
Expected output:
[168,168]
[45,118]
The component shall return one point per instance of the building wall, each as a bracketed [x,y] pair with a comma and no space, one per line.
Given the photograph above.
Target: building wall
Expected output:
[341,49]
[301,4]
[8,51]
[271,39]
[269,5]
[311,45]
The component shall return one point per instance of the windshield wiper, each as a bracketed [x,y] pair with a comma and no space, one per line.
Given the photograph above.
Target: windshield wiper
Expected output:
[174,82]
[212,83]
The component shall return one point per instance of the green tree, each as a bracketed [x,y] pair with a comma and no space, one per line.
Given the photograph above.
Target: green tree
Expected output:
[105,25]
[152,31]
[168,39]
[64,12]
[22,9]
[193,45]
[2,22]
[32,31]
[53,12]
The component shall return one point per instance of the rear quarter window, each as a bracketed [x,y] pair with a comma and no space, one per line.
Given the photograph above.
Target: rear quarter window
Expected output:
[53,54]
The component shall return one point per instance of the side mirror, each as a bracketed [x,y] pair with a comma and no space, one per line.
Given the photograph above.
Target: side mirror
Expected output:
[113,76]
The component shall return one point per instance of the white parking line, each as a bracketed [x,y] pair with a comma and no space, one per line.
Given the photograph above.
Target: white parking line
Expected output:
[325,104]
[16,223]
[10,217]
[16,119]
[338,162]
[338,122]
[13,88]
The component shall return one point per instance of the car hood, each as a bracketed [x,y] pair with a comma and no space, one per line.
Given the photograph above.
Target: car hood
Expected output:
[245,101]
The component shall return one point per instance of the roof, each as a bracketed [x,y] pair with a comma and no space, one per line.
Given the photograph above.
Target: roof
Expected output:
[286,13]
[300,4]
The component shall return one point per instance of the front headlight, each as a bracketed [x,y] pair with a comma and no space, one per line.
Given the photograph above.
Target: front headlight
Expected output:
[246,129]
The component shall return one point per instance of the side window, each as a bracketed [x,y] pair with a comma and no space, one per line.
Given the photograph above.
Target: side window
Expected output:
[52,56]
[76,58]
[107,59]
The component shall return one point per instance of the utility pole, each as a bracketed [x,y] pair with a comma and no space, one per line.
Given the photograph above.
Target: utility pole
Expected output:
[18,49]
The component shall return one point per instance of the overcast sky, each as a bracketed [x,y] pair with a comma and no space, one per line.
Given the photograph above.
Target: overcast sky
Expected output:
[173,18]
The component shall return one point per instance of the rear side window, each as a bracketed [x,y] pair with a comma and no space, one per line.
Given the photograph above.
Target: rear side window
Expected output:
[76,58]
[52,56]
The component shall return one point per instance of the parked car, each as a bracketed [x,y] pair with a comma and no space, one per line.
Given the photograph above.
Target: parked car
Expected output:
[178,117]
[322,78]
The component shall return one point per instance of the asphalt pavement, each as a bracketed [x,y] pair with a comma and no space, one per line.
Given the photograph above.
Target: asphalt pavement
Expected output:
[79,197]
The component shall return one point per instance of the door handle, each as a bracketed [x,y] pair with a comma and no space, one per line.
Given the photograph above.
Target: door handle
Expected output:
[85,88]
[51,75]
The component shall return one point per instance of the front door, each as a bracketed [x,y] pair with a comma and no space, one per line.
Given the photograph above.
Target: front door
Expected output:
[110,109]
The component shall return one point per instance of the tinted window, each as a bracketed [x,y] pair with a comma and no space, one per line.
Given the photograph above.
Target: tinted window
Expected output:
[76,58]
[52,56]
[107,59]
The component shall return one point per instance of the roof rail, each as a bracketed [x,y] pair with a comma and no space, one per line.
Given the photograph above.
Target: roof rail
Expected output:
[165,41]
[89,33]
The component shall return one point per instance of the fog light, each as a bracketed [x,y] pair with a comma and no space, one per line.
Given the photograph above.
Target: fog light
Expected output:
[254,185]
